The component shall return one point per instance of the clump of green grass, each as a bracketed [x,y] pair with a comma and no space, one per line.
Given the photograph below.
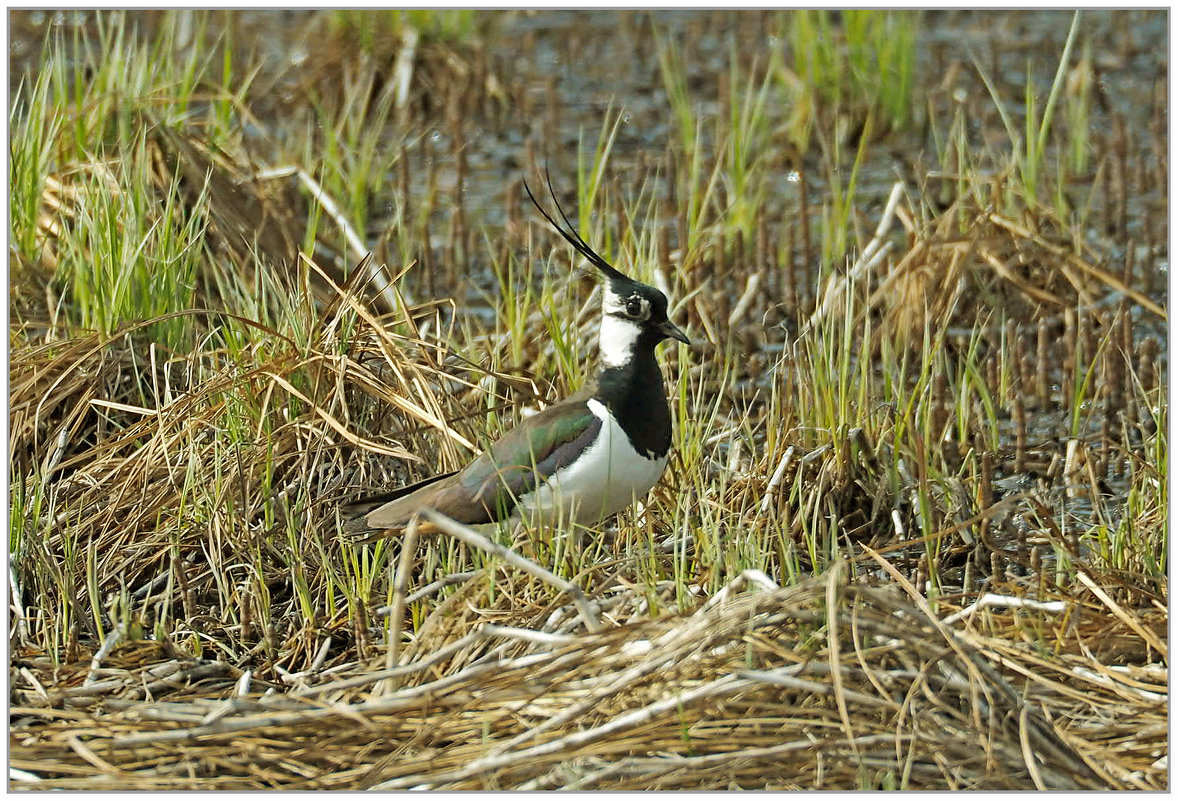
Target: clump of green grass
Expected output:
[122,246]
[439,25]
[1029,151]
[34,131]
[849,62]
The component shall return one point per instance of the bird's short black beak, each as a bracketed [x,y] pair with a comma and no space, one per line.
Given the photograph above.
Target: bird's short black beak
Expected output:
[671,331]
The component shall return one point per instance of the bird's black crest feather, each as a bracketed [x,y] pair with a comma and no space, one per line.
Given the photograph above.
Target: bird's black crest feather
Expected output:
[570,235]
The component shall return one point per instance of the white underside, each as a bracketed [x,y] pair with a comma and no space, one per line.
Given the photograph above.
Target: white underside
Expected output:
[610,476]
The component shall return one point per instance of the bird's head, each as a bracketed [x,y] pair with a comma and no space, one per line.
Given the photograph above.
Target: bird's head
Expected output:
[634,314]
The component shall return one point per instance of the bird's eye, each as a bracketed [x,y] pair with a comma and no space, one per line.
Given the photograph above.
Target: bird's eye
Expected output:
[634,308]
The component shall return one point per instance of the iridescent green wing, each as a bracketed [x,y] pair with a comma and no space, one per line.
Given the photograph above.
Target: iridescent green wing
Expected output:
[527,455]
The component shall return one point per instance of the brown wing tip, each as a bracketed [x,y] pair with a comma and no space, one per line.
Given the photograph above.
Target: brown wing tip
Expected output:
[359,533]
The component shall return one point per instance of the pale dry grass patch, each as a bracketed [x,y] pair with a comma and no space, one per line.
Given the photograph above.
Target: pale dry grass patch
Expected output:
[757,687]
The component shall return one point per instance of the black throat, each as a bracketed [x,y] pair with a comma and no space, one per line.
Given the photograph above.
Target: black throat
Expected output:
[633,393]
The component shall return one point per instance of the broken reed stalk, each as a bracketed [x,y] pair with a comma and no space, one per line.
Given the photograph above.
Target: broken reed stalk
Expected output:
[471,537]
[360,253]
[397,615]
[871,256]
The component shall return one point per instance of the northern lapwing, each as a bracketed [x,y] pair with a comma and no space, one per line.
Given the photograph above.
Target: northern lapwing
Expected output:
[581,459]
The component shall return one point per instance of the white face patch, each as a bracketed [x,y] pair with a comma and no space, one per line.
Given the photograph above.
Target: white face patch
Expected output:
[618,335]
[618,339]
[612,302]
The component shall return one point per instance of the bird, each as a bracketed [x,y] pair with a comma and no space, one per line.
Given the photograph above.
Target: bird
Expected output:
[581,459]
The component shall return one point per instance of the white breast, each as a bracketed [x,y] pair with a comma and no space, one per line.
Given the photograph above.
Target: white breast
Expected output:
[610,476]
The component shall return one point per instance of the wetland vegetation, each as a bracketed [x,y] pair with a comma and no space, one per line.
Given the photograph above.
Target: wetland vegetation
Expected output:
[914,532]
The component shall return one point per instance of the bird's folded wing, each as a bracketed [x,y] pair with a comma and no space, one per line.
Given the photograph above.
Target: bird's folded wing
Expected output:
[488,488]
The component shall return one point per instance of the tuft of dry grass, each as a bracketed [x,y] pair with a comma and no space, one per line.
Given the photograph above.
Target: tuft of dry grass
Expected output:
[827,683]
[172,477]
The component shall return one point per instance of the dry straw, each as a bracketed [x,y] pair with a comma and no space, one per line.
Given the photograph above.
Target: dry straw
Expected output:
[768,688]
